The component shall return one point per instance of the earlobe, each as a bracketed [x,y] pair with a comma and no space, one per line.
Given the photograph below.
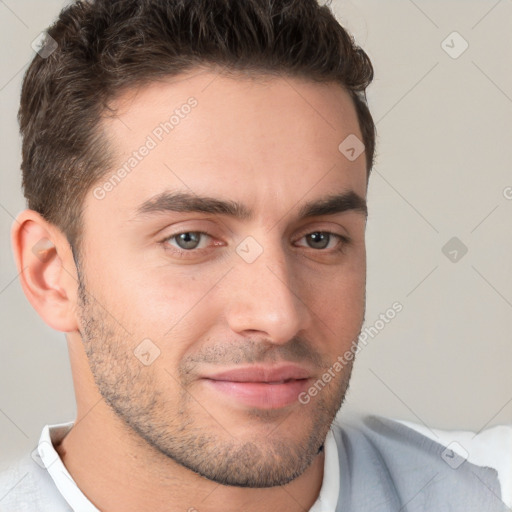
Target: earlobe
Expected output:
[46,268]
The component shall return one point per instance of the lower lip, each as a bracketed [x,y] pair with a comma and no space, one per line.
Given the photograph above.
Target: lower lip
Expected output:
[259,394]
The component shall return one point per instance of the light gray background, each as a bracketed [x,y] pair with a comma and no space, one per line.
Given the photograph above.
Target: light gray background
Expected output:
[443,168]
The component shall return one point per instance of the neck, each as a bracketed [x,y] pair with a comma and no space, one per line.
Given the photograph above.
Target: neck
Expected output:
[117,471]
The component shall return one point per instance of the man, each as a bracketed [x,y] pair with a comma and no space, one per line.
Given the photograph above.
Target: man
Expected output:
[196,176]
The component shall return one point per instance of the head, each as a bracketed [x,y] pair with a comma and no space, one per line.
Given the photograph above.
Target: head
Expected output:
[195,221]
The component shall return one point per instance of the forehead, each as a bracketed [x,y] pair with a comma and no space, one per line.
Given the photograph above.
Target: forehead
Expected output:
[253,138]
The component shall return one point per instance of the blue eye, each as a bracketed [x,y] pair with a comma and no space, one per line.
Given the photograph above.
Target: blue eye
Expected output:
[321,240]
[188,240]
[188,243]
[319,237]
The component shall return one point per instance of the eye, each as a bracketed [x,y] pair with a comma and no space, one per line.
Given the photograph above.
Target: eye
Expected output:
[190,243]
[321,240]
[186,241]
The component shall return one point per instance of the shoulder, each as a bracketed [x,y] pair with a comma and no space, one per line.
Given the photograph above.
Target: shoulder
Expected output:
[26,486]
[398,463]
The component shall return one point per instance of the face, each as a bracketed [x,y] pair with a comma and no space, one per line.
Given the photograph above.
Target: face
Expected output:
[204,321]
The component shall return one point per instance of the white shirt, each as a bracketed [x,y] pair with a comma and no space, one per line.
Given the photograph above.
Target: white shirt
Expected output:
[41,481]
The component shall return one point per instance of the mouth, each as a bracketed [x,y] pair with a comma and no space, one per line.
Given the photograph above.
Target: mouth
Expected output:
[261,387]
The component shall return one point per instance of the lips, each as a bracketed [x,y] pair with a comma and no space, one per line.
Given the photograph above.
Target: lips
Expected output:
[269,375]
[260,387]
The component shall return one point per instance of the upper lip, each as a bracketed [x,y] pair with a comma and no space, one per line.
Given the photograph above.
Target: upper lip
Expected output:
[262,374]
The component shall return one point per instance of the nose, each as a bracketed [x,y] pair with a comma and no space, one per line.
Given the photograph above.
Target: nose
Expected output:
[265,298]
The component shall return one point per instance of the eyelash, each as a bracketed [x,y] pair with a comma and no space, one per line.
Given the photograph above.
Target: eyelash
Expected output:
[344,241]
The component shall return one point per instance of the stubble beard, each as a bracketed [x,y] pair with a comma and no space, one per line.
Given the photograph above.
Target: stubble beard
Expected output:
[185,432]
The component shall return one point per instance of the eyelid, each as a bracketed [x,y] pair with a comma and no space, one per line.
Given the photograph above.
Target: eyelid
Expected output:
[324,229]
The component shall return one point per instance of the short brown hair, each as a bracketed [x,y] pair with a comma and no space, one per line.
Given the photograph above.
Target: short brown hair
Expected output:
[107,46]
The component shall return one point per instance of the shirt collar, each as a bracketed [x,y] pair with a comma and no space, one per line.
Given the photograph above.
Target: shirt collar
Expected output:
[51,435]
[330,490]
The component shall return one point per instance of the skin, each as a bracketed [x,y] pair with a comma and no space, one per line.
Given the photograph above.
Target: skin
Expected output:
[158,437]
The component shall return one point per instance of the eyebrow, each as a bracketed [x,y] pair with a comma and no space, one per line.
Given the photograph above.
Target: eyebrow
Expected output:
[187,202]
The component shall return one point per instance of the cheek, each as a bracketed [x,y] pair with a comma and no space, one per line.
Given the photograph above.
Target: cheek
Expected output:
[162,303]
[340,304]
[337,301]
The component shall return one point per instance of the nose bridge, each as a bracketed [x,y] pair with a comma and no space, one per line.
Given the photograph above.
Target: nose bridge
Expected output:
[265,295]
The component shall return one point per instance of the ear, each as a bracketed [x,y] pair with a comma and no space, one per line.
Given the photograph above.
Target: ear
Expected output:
[46,269]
